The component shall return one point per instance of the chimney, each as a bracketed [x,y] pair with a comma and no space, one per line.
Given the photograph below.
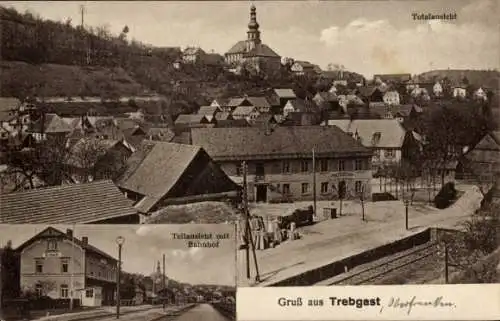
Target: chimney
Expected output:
[69,233]
[85,240]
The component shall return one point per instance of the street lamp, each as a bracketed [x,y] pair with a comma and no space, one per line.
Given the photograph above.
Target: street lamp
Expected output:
[119,240]
[407,203]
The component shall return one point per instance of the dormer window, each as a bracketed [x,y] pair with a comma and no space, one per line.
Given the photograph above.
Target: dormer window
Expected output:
[376,138]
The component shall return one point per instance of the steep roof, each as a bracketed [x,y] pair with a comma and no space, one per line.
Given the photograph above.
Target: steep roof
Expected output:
[186,119]
[222,116]
[239,47]
[243,110]
[262,50]
[154,169]
[282,142]
[50,231]
[304,64]
[208,110]
[285,93]
[387,133]
[76,203]
[258,101]
[303,105]
[228,123]
[79,152]
[53,124]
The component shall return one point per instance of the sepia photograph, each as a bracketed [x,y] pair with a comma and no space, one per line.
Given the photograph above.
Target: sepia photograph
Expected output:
[127,272]
[346,142]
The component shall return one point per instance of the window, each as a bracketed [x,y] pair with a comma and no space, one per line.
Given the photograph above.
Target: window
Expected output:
[358,186]
[286,188]
[64,265]
[358,164]
[323,165]
[64,291]
[89,293]
[39,266]
[39,289]
[52,245]
[286,167]
[305,188]
[304,166]
[341,165]
[239,169]
[389,153]
[324,187]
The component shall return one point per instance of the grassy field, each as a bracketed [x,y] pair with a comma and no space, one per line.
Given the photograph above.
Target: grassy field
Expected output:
[61,80]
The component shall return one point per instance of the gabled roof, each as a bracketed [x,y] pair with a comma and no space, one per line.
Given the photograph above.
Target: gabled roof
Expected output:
[187,119]
[86,152]
[390,133]
[208,110]
[326,96]
[53,124]
[490,141]
[76,203]
[239,47]
[285,93]
[52,232]
[160,133]
[303,105]
[155,169]
[222,116]
[281,142]
[244,110]
[193,51]
[366,91]
[235,102]
[258,101]
[261,50]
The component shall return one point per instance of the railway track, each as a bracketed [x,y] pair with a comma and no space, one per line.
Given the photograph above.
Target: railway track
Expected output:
[381,269]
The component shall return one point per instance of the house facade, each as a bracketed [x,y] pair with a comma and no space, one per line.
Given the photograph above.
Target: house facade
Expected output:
[484,158]
[459,92]
[437,89]
[391,97]
[279,161]
[387,138]
[60,266]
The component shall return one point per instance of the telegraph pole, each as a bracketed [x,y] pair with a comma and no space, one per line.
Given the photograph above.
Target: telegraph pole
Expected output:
[446,263]
[314,181]
[247,219]
[248,230]
[163,278]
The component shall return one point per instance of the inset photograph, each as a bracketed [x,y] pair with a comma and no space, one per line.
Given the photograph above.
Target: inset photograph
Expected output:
[127,272]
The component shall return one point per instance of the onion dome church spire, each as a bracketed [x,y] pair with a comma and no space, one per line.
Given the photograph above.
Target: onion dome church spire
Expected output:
[253,33]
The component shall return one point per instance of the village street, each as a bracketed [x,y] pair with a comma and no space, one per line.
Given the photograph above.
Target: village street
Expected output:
[331,240]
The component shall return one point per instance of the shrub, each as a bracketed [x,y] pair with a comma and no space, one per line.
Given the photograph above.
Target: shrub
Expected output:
[446,196]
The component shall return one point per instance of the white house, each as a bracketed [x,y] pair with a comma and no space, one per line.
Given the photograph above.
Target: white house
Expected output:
[386,137]
[246,112]
[480,94]
[391,97]
[459,92]
[437,89]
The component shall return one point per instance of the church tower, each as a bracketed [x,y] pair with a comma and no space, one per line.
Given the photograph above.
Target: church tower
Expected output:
[253,33]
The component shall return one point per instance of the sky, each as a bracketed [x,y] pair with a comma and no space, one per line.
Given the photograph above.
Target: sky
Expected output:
[145,245]
[368,37]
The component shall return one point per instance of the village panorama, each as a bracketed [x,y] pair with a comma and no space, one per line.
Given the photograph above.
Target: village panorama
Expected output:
[335,166]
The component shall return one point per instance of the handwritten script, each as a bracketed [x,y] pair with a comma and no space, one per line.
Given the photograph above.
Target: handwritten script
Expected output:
[408,305]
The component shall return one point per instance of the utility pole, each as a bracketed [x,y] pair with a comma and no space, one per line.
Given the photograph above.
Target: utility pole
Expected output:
[314,181]
[248,230]
[163,278]
[446,263]
[247,219]
[72,288]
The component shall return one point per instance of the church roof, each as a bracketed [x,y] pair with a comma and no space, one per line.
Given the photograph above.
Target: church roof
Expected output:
[262,50]
[239,47]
